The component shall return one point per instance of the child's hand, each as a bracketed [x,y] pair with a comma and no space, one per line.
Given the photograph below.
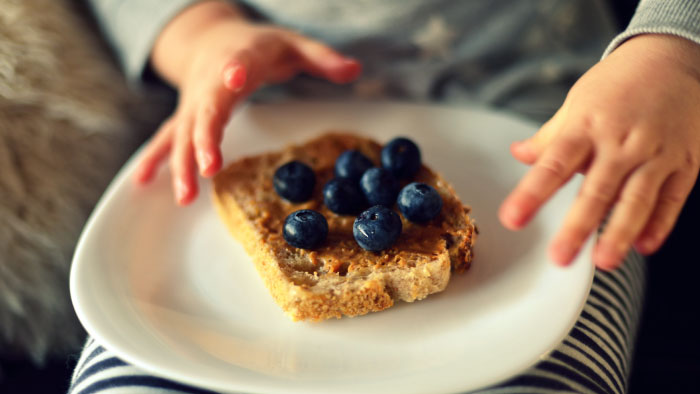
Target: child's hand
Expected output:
[215,58]
[632,125]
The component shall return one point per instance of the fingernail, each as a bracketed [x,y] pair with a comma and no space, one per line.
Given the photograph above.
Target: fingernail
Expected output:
[350,62]
[512,215]
[235,78]
[204,159]
[645,244]
[239,78]
[515,214]
[141,176]
[522,148]
[607,255]
[562,252]
[345,71]
[181,191]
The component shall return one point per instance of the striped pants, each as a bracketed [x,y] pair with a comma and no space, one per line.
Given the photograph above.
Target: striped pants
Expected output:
[594,358]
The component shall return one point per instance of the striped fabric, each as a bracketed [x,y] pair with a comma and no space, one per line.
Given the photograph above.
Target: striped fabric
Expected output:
[99,371]
[594,358]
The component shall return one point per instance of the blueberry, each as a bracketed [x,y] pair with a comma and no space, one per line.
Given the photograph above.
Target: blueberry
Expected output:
[294,181]
[379,186]
[377,228]
[352,164]
[401,156]
[419,202]
[343,196]
[305,229]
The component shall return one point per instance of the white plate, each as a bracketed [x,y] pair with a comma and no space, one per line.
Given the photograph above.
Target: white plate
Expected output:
[170,291]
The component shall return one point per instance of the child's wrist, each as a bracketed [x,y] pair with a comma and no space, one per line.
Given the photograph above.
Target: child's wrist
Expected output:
[672,50]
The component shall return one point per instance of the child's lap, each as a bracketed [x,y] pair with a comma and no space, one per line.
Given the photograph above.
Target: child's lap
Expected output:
[595,357]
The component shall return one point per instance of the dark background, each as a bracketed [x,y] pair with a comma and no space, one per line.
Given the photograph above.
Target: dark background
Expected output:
[667,354]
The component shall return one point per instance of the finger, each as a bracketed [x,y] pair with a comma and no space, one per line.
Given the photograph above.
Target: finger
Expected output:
[156,150]
[597,194]
[283,72]
[632,211]
[182,165]
[208,131]
[554,168]
[672,196]
[322,61]
[529,150]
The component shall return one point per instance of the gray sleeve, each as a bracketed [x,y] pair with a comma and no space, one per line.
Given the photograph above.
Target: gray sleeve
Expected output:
[677,17]
[132,26]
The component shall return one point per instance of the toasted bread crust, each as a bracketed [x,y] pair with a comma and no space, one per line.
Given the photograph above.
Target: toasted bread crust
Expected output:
[339,278]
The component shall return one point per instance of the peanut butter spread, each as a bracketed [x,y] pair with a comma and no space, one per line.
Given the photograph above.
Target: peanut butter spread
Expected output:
[249,182]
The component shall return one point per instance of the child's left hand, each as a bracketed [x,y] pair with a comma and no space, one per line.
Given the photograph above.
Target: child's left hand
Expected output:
[632,125]
[216,57]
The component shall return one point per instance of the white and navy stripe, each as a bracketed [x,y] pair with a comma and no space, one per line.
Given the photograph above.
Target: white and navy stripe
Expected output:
[99,371]
[594,358]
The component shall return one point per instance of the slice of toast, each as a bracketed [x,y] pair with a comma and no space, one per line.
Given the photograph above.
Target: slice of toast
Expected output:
[339,277]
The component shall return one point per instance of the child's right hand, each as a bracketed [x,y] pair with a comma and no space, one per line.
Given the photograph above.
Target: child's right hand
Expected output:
[632,125]
[215,58]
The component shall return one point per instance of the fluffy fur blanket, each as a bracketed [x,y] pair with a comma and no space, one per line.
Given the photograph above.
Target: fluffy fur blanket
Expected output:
[66,125]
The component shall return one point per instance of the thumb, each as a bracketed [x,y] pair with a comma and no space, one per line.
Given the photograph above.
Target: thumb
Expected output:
[322,61]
